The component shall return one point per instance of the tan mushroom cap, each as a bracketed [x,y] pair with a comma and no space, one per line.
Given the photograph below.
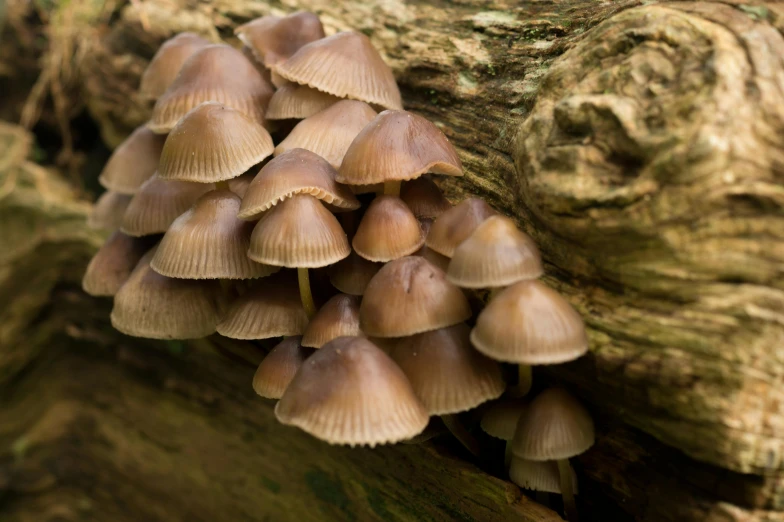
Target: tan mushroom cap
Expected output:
[496,254]
[351,392]
[298,171]
[338,317]
[167,62]
[409,296]
[352,275]
[158,307]
[398,146]
[432,256]
[108,211]
[447,374]
[555,426]
[158,203]
[271,308]
[213,142]
[298,233]
[530,323]
[133,162]
[294,101]
[500,419]
[453,226]
[240,184]
[330,132]
[274,39]
[278,368]
[345,65]
[538,475]
[215,73]
[209,241]
[388,231]
[111,266]
[424,198]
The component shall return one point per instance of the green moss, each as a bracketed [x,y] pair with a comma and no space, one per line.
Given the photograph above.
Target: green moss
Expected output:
[329,490]
[270,485]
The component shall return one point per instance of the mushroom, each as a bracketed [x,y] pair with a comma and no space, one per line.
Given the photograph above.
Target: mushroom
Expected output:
[338,317]
[111,266]
[453,226]
[352,275]
[426,252]
[133,162]
[424,198]
[351,392]
[167,62]
[293,101]
[278,368]
[388,231]
[240,184]
[539,476]
[500,421]
[107,212]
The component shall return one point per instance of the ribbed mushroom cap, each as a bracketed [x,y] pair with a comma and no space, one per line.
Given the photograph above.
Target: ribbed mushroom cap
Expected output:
[496,254]
[351,392]
[213,143]
[345,65]
[352,275]
[424,198]
[409,296]
[434,257]
[167,62]
[530,323]
[453,226]
[133,162]
[538,475]
[555,426]
[111,266]
[447,374]
[278,368]
[209,241]
[271,308]
[274,39]
[500,419]
[216,73]
[298,233]
[298,171]
[338,317]
[398,146]
[330,132]
[158,203]
[294,101]
[388,231]
[158,307]
[108,211]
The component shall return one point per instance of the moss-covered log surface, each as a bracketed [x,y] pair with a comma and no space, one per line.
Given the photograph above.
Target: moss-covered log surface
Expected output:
[640,143]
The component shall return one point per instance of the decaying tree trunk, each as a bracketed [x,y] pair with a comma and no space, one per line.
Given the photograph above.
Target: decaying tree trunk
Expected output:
[640,143]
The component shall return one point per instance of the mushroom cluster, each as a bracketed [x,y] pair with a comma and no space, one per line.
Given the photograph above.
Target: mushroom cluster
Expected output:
[219,228]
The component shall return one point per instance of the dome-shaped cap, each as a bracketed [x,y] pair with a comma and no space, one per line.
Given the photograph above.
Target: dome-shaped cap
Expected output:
[298,233]
[329,133]
[398,146]
[108,211]
[209,241]
[298,171]
[158,203]
[213,142]
[111,266]
[447,374]
[352,275]
[240,184]
[274,39]
[538,475]
[442,262]
[351,392]
[453,226]
[133,162]
[338,317]
[294,101]
[409,296]
[530,323]
[424,198]
[345,65]
[388,231]
[278,368]
[215,73]
[496,254]
[500,419]
[555,426]
[167,62]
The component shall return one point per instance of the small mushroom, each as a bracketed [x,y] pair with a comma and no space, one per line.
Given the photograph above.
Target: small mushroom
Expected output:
[338,317]
[294,101]
[278,368]
[428,253]
[167,62]
[453,226]
[240,184]
[107,212]
[538,475]
[352,275]
[111,266]
[388,231]
[424,198]
[133,162]
[500,421]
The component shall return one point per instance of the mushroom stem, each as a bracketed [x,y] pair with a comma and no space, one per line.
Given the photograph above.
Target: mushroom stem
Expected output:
[460,432]
[508,454]
[392,188]
[304,292]
[570,507]
[222,185]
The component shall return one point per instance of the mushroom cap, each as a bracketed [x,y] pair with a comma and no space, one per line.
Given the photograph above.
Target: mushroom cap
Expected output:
[338,317]
[278,368]
[133,162]
[447,374]
[229,144]
[329,133]
[434,257]
[398,146]
[209,241]
[530,323]
[274,39]
[271,308]
[453,226]
[409,296]
[107,212]
[298,233]
[158,203]
[345,65]
[496,254]
[538,475]
[111,266]
[216,73]
[240,184]
[159,307]
[297,171]
[351,392]
[352,274]
[500,419]
[424,198]
[555,426]
[388,231]
[294,101]
[167,62]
